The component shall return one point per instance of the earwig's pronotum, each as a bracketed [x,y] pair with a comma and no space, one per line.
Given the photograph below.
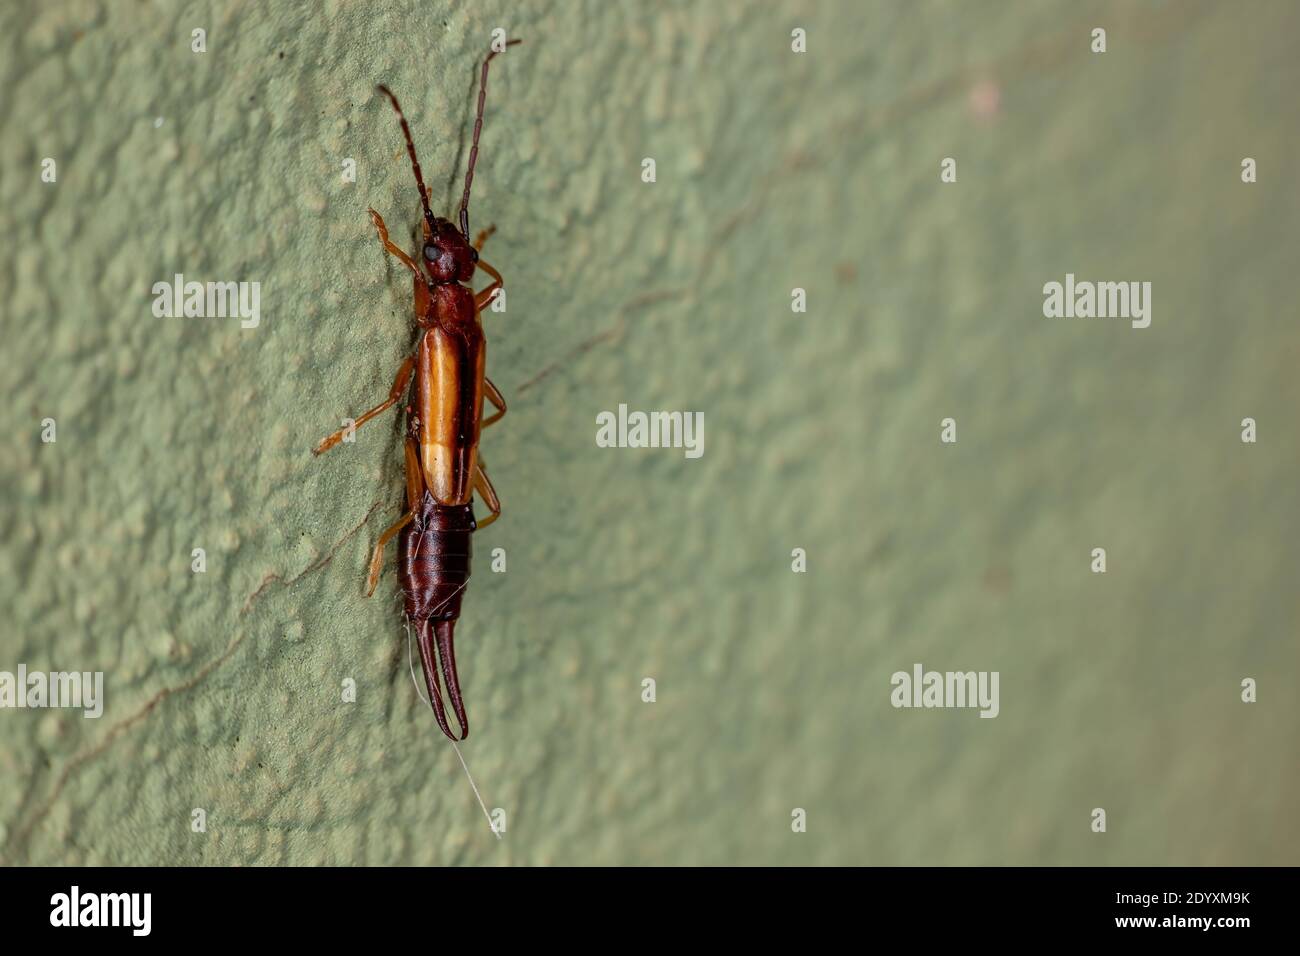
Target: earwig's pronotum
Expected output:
[444,420]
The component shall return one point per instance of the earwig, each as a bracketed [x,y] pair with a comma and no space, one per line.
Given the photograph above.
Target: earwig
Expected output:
[444,421]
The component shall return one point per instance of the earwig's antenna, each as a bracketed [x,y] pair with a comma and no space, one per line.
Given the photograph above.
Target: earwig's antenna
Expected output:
[473,152]
[415,163]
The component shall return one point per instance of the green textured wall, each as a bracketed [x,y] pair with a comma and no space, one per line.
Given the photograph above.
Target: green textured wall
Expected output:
[774,170]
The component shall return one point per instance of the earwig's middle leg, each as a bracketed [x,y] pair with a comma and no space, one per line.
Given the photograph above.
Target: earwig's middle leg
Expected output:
[394,396]
[493,395]
[377,559]
[489,495]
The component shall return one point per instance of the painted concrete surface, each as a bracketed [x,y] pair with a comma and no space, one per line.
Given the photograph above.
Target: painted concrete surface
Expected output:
[774,171]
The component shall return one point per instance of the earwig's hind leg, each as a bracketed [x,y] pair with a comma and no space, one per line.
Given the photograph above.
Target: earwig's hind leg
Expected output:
[414,475]
[483,298]
[394,396]
[377,559]
[489,495]
[392,248]
[493,395]
[426,633]
[484,236]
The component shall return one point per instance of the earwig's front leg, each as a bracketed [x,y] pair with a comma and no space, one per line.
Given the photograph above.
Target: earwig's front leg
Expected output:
[394,396]
[391,248]
[493,395]
[484,236]
[377,559]
[489,495]
[484,297]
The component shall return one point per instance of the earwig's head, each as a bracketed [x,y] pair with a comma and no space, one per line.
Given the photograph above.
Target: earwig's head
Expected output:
[447,253]
[448,256]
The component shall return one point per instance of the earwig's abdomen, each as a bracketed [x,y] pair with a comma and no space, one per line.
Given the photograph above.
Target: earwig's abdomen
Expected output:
[434,560]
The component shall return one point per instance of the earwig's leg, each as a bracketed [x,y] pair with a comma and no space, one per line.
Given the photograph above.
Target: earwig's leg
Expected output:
[390,247]
[484,297]
[484,236]
[489,495]
[493,395]
[377,560]
[414,475]
[394,396]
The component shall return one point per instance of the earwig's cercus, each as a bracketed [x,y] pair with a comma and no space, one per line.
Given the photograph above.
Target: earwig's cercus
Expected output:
[444,421]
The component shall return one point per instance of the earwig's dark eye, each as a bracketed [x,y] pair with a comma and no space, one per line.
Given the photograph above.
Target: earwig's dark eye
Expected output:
[432,252]
[473,254]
